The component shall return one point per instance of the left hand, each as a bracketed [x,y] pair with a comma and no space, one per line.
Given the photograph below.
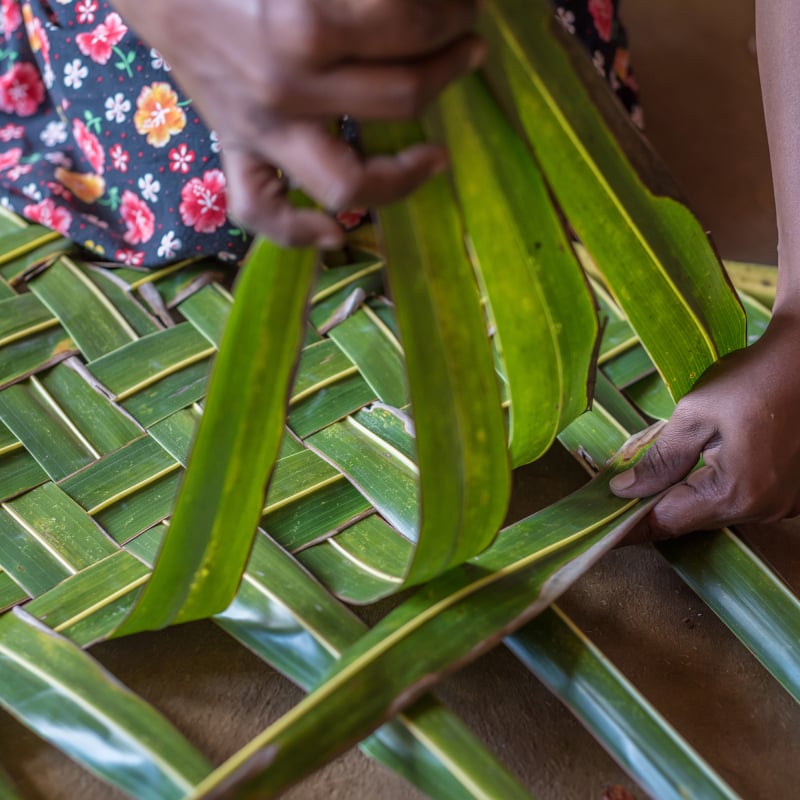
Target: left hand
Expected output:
[743,417]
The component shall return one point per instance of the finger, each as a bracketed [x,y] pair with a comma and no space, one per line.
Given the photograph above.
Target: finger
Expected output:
[641,534]
[257,199]
[670,458]
[338,178]
[386,29]
[700,503]
[380,91]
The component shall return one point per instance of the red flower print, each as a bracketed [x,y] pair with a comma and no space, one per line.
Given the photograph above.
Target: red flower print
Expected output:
[10,132]
[132,258]
[50,215]
[351,219]
[21,90]
[90,146]
[11,16]
[100,43]
[181,159]
[603,15]
[204,204]
[138,218]
[10,158]
[119,157]
[59,190]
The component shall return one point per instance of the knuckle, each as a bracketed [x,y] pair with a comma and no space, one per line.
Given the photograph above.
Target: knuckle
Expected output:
[687,414]
[659,458]
[340,193]
[410,94]
[305,34]
[746,500]
[741,499]
[276,93]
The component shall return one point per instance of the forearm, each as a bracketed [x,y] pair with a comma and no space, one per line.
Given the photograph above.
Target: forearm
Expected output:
[778,32]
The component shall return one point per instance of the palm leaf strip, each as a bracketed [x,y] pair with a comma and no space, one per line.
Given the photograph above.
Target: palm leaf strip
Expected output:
[652,251]
[221,497]
[529,565]
[628,727]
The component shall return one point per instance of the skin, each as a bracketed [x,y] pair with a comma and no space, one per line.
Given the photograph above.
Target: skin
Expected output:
[743,415]
[271,77]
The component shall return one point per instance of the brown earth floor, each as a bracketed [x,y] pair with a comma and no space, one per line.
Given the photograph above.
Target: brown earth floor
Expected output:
[699,83]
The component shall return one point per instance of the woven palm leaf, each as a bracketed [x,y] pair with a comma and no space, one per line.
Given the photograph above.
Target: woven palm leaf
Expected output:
[103,376]
[88,480]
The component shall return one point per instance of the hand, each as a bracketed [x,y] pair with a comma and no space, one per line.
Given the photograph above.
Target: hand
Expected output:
[271,76]
[742,417]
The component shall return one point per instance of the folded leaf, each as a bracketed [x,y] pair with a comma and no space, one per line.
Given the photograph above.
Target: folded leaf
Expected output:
[543,314]
[220,502]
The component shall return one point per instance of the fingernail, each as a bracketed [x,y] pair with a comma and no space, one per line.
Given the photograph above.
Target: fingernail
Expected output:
[330,242]
[623,481]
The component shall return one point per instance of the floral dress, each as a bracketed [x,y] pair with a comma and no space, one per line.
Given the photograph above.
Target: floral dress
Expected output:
[99,144]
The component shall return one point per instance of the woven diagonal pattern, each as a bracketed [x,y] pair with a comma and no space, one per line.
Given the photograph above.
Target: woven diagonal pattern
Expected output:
[103,371]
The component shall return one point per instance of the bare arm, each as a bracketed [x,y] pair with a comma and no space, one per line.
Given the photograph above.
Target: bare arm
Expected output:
[778,29]
[271,76]
[744,415]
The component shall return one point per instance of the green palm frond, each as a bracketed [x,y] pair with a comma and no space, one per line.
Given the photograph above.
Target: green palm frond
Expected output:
[357,440]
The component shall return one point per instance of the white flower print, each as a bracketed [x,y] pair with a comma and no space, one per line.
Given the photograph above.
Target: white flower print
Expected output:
[59,159]
[119,157]
[54,133]
[599,62]
[157,61]
[170,244]
[215,145]
[32,192]
[224,255]
[149,187]
[6,203]
[117,108]
[567,19]
[85,11]
[75,73]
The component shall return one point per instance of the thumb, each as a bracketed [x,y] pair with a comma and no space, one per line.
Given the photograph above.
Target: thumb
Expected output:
[669,459]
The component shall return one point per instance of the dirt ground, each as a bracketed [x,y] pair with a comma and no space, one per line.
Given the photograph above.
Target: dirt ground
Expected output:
[697,70]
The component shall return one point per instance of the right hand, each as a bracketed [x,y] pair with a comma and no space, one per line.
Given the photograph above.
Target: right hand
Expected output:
[272,76]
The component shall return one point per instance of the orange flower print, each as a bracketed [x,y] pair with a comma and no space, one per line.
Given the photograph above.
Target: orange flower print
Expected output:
[84,185]
[37,35]
[158,114]
[622,67]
